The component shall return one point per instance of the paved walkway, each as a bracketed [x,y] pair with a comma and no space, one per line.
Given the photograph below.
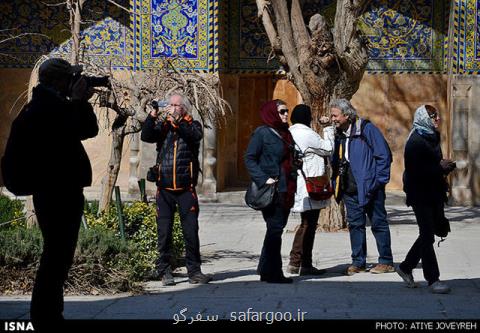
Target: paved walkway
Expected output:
[231,238]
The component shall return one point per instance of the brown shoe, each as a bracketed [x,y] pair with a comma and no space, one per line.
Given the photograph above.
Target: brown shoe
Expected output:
[293,269]
[352,269]
[382,268]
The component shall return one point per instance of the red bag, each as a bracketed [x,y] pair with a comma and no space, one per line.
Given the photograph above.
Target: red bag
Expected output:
[319,188]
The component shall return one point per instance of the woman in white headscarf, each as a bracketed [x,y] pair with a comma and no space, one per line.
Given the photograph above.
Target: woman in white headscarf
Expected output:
[425,186]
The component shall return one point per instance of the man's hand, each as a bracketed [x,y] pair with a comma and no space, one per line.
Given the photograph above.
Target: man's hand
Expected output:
[154,113]
[325,121]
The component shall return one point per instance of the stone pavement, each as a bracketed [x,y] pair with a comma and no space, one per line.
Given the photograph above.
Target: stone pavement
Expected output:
[231,238]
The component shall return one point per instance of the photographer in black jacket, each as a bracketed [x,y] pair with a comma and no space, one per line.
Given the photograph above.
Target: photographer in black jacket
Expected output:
[178,138]
[45,153]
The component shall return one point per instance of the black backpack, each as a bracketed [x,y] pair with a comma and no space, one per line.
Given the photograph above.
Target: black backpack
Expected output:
[17,170]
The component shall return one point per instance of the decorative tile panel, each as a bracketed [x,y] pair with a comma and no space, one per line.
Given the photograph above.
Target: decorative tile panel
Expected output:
[405,35]
[468,44]
[107,34]
[183,31]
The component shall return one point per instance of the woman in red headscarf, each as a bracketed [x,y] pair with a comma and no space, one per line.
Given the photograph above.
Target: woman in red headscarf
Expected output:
[269,159]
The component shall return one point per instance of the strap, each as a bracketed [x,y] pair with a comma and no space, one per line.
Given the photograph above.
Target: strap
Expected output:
[291,146]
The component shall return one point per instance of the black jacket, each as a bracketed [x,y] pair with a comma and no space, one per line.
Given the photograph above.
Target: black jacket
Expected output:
[177,151]
[264,156]
[45,146]
[423,179]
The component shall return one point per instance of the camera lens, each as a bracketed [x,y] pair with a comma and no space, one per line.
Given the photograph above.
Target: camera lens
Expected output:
[162,104]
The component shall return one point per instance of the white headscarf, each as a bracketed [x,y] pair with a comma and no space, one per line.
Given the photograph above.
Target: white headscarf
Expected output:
[422,123]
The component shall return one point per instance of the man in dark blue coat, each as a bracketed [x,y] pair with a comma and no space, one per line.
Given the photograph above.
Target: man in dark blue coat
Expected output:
[361,170]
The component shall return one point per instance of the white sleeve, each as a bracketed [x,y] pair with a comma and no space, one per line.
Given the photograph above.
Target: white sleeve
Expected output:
[319,146]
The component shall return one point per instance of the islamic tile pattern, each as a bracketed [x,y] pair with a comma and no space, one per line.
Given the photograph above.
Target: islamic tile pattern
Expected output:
[405,35]
[248,45]
[469,37]
[183,31]
[107,37]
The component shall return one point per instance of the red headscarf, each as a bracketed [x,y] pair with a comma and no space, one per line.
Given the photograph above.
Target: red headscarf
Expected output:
[271,118]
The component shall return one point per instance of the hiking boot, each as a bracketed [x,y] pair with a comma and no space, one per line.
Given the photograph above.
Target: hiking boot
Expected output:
[200,278]
[167,279]
[382,268]
[352,270]
[311,271]
[293,269]
[439,288]
[407,277]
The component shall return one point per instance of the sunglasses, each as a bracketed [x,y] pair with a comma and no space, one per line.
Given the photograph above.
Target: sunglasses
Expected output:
[283,111]
[433,115]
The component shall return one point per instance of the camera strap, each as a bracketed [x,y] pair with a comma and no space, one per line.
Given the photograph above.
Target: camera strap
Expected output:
[290,146]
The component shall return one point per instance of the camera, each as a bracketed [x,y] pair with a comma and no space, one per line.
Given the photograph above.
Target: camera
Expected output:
[94,81]
[343,168]
[297,159]
[158,104]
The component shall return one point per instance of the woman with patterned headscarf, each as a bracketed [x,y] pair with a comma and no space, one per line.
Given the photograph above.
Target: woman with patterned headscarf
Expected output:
[269,160]
[425,186]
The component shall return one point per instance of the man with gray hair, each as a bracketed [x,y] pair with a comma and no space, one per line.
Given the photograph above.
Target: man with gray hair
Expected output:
[361,169]
[178,138]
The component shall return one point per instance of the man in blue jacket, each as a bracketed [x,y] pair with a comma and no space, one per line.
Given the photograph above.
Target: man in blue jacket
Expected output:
[361,169]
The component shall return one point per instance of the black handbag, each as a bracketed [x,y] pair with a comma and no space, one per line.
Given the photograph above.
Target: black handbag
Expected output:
[260,198]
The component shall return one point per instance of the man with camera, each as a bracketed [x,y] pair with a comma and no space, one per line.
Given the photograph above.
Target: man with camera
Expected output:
[178,138]
[45,158]
[361,169]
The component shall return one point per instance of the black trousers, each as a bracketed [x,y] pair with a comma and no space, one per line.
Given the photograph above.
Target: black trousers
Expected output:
[301,253]
[276,217]
[59,216]
[422,249]
[187,202]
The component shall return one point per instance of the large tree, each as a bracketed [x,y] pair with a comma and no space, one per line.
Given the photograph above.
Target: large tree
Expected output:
[322,62]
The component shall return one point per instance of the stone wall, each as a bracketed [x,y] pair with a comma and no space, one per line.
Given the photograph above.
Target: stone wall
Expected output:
[465,143]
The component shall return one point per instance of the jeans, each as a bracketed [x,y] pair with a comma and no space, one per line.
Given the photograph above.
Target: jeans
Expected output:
[301,253]
[187,202]
[357,220]
[423,246]
[276,217]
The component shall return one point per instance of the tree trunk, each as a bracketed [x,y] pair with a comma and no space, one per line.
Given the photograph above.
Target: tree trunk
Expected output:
[31,217]
[323,64]
[75,9]
[109,180]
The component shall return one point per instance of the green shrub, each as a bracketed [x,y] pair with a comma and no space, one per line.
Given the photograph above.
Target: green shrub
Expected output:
[11,210]
[103,262]
[141,229]
[20,247]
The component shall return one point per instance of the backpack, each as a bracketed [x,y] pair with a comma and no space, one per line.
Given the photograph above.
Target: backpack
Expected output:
[16,169]
[359,133]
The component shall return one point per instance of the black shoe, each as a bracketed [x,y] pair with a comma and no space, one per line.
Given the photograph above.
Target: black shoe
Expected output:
[167,279]
[200,278]
[277,279]
[311,271]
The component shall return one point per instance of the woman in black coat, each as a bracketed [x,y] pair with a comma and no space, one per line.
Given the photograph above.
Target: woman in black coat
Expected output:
[425,186]
[269,160]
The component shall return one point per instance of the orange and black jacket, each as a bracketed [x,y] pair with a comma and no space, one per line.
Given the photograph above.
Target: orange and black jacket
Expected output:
[177,151]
